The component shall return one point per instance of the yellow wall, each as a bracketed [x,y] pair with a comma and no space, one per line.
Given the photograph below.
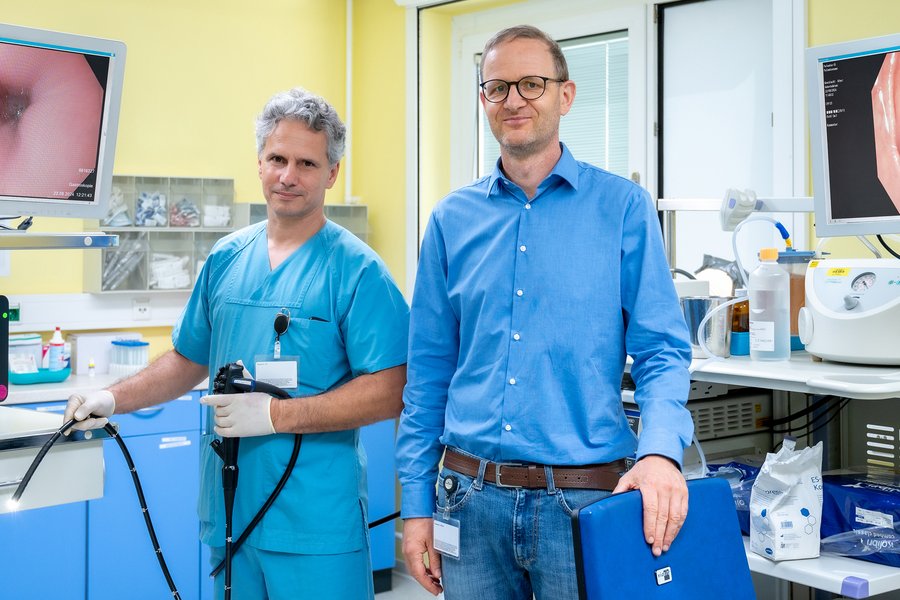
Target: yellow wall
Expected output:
[434,107]
[196,75]
[379,126]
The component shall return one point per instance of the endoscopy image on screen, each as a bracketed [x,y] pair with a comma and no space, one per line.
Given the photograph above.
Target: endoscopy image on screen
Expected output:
[861,120]
[51,114]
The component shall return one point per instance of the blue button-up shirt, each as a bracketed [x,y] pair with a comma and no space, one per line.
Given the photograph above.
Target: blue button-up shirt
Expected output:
[522,316]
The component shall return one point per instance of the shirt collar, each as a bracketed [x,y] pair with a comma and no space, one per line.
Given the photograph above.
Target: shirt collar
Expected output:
[566,169]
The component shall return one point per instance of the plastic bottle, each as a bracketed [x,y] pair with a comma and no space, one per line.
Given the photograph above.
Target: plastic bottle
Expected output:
[56,352]
[770,305]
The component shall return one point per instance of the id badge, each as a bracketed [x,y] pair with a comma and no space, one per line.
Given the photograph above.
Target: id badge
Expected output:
[282,372]
[446,535]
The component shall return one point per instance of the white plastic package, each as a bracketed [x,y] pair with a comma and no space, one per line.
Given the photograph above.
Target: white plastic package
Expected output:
[786,504]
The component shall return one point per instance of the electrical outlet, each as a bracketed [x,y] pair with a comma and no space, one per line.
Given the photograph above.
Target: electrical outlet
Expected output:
[140,310]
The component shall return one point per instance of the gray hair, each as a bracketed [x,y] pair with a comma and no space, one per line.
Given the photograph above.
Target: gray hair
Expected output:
[300,105]
[529,32]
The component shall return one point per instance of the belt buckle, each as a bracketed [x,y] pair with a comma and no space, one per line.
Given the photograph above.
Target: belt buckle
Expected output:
[497,467]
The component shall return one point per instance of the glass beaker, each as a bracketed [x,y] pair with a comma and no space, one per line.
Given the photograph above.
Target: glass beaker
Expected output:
[795,263]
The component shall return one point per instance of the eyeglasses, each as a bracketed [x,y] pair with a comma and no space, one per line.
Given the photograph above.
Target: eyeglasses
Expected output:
[530,88]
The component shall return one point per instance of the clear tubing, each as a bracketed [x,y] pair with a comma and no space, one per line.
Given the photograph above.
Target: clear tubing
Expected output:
[700,337]
[737,256]
[712,357]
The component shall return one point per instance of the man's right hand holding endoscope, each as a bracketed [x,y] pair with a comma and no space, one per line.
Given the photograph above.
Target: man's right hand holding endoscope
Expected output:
[91,409]
[241,415]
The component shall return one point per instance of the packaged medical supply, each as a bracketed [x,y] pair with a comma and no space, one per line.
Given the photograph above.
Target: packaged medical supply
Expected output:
[786,503]
[861,517]
[740,476]
[25,353]
[770,304]
[56,353]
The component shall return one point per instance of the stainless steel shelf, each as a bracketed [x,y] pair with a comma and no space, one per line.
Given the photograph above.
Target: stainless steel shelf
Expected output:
[23,240]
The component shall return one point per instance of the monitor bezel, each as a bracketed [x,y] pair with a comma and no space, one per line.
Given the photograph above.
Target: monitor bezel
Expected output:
[99,205]
[825,225]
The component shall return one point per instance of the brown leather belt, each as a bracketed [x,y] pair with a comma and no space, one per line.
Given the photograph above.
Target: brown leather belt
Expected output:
[590,477]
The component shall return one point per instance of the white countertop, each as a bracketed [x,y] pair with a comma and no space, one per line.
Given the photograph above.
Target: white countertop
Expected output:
[837,574]
[802,374]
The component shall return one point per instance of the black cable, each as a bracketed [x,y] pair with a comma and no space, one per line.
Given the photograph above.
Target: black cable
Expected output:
[800,413]
[245,384]
[829,420]
[821,425]
[298,439]
[886,247]
[836,406]
[113,433]
[25,223]
[383,520]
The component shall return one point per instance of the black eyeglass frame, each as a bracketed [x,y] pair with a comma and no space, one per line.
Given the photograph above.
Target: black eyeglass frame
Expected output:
[511,84]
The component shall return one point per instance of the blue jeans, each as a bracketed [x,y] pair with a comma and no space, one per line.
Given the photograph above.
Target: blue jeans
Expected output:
[514,542]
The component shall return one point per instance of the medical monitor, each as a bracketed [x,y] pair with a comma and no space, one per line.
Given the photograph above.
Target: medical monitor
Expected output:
[59,112]
[853,89]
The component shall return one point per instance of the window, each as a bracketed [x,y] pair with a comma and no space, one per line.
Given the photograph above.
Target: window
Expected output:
[596,129]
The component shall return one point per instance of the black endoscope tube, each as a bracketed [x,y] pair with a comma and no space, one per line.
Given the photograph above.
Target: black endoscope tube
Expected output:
[113,433]
[229,384]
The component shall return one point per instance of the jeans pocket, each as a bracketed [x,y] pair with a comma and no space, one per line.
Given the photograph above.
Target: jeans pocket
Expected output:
[570,500]
[454,499]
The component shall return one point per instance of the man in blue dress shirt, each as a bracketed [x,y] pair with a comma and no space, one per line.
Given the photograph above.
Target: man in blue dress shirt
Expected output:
[533,285]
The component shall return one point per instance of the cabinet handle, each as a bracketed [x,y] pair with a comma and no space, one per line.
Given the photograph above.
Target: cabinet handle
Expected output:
[148,413]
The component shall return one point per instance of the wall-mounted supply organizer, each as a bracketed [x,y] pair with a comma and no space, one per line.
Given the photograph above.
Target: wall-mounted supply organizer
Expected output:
[166,228]
[352,217]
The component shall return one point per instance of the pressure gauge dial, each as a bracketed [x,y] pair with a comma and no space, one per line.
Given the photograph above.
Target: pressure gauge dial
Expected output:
[863,282]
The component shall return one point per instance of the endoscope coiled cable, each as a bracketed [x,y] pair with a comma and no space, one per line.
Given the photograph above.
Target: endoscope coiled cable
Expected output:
[114,434]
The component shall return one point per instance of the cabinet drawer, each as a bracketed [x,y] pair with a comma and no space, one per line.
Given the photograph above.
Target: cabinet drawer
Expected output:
[181,414]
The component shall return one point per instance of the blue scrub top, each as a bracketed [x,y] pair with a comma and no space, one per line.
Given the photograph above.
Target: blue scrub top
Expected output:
[347,318]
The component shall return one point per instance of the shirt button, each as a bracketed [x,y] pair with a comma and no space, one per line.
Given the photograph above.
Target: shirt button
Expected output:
[516,336]
[519,292]
[528,206]
[512,381]
[508,428]
[522,248]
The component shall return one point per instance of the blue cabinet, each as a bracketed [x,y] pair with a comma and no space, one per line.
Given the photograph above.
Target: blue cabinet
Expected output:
[85,544]
[34,541]
[44,553]
[378,440]
[163,443]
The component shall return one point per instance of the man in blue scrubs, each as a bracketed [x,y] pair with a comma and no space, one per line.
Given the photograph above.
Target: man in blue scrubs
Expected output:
[342,357]
[533,285]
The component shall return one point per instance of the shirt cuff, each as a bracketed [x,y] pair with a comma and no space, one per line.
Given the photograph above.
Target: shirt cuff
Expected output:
[417,500]
[663,443]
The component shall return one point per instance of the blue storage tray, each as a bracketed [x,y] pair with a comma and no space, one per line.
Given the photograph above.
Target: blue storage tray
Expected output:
[42,376]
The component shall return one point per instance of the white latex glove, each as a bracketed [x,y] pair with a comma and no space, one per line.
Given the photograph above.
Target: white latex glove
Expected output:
[241,415]
[101,404]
